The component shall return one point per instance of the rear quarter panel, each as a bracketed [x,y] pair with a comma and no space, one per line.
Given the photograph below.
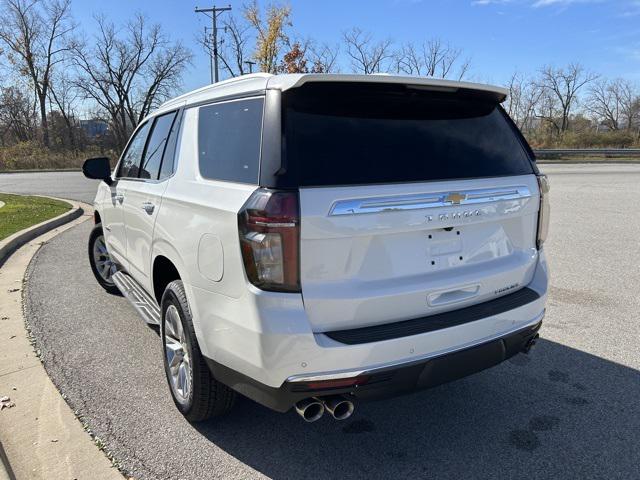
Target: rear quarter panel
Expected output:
[196,211]
[197,230]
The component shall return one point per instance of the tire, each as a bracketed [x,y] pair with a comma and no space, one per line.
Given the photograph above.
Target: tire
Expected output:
[101,264]
[195,392]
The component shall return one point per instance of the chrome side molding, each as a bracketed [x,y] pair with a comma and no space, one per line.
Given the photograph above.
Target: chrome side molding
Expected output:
[430,200]
[144,304]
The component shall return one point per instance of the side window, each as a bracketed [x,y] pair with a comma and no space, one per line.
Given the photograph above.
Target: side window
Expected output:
[156,145]
[130,163]
[229,137]
[167,168]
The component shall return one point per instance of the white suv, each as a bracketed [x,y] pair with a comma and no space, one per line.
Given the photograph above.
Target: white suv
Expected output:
[312,240]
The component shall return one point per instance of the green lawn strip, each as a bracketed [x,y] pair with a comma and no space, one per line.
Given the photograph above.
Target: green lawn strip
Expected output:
[21,212]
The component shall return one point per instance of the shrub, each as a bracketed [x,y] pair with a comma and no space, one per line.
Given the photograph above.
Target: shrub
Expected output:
[32,156]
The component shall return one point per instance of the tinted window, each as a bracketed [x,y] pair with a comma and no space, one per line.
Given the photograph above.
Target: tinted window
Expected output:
[130,163]
[384,134]
[168,158]
[156,146]
[229,140]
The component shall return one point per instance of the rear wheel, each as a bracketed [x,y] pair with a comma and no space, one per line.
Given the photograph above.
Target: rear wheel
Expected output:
[102,266]
[195,392]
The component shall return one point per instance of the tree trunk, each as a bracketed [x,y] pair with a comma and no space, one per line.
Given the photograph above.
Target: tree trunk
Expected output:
[42,99]
[70,132]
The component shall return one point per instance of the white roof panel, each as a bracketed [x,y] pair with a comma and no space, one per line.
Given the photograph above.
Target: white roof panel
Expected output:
[262,81]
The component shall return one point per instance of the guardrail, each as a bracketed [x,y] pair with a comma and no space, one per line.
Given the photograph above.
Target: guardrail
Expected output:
[587,152]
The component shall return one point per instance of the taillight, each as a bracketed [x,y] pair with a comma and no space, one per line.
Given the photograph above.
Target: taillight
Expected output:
[543,214]
[269,228]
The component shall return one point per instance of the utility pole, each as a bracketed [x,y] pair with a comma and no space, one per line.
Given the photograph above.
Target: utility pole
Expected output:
[251,64]
[213,13]
[209,37]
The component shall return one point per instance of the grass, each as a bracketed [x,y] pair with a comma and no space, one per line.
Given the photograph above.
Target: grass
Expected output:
[20,212]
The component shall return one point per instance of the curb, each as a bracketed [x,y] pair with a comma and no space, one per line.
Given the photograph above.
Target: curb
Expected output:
[41,435]
[15,241]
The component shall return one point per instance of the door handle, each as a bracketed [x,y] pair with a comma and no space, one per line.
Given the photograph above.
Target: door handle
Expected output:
[148,207]
[119,197]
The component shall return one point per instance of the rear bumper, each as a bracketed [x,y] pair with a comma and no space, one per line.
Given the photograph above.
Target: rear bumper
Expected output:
[386,381]
[262,344]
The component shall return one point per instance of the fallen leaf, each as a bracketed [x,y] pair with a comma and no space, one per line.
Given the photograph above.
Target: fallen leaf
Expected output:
[5,402]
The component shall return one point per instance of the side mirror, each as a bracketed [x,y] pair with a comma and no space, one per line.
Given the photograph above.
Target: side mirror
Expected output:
[98,169]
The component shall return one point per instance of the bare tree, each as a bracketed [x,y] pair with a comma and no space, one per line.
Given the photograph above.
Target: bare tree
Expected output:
[323,57]
[35,33]
[433,58]
[304,56]
[235,54]
[549,111]
[523,101]
[233,48]
[629,103]
[64,96]
[129,74]
[367,55]
[604,102]
[18,116]
[270,33]
[563,84]
[514,99]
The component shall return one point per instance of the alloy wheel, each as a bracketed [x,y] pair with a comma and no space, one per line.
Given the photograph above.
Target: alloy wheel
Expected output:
[177,355]
[105,266]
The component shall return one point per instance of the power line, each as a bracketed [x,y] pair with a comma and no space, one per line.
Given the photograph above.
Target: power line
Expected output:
[213,13]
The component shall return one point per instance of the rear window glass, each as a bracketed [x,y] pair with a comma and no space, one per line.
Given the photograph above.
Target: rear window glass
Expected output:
[229,136]
[363,134]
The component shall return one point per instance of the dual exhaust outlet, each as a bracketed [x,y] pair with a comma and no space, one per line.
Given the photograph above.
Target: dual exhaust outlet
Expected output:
[312,409]
[340,407]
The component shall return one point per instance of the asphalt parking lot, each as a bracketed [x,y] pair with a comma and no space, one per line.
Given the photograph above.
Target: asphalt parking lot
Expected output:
[570,409]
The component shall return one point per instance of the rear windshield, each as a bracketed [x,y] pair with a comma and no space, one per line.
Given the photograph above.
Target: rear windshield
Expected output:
[364,134]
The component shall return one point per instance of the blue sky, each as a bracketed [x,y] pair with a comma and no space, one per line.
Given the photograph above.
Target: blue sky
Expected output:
[500,36]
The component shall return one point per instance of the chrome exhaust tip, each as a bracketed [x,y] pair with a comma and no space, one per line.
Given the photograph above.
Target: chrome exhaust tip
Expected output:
[338,406]
[310,409]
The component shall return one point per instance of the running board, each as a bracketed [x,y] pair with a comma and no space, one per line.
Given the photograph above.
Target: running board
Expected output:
[144,304]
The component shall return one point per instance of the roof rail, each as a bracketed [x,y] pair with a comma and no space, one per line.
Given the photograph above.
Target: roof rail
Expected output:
[213,86]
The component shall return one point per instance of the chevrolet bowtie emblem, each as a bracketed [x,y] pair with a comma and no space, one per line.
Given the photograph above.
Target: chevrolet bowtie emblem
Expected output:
[455,198]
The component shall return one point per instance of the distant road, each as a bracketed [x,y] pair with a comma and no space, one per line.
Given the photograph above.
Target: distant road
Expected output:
[71,185]
[74,186]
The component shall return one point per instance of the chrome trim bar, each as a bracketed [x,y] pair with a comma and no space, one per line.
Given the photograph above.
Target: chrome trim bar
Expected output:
[338,375]
[430,200]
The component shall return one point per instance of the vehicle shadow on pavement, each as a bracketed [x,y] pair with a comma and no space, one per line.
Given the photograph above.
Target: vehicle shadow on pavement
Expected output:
[556,413]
